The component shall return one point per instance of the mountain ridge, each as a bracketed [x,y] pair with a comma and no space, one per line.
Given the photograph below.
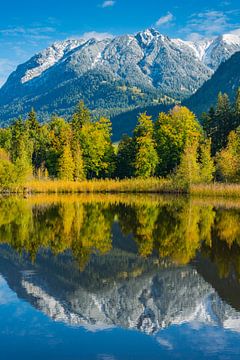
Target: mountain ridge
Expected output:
[113,74]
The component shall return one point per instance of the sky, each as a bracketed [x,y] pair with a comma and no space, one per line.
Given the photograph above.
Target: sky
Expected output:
[28,26]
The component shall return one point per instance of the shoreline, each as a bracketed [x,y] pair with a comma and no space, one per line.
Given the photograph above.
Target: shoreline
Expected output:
[126,186]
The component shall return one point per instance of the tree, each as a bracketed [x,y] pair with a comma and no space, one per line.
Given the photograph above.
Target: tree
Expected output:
[228,159]
[188,171]
[207,167]
[237,110]
[66,164]
[81,116]
[207,121]
[146,157]
[222,124]
[98,152]
[7,171]
[125,158]
[59,135]
[79,172]
[23,163]
[172,132]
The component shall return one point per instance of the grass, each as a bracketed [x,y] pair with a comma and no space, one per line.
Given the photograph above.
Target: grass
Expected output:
[152,185]
[216,189]
[131,186]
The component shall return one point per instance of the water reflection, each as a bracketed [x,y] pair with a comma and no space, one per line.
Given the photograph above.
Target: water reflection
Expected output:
[142,263]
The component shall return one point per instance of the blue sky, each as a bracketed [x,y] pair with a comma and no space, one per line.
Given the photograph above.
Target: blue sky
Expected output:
[29,26]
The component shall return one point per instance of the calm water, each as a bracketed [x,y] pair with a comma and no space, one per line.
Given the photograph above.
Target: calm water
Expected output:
[118,278]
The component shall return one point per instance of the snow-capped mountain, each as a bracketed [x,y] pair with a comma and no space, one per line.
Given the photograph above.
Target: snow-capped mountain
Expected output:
[148,301]
[118,73]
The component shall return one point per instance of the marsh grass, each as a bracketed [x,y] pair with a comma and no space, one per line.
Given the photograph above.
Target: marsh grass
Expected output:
[138,185]
[216,189]
[127,186]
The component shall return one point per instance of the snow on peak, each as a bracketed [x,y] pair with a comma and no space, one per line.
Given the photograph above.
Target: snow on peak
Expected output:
[232,39]
[48,57]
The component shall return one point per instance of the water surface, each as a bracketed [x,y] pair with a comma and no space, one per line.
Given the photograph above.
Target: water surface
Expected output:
[119,277]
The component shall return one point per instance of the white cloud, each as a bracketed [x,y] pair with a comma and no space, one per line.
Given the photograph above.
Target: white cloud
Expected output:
[165,343]
[164,19]
[235,32]
[208,24]
[108,3]
[96,35]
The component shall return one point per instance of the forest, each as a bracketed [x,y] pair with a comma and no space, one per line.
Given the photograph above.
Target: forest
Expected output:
[177,147]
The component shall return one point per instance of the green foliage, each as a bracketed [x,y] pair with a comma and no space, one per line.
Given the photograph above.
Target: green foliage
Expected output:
[83,149]
[172,132]
[207,167]
[7,171]
[146,157]
[188,171]
[125,158]
[228,159]
[66,166]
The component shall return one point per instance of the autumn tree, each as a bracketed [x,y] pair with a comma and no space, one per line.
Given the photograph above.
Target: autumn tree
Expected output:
[188,171]
[66,164]
[228,159]
[146,157]
[172,132]
[207,167]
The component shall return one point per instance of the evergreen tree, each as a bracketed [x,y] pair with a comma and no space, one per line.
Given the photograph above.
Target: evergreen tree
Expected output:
[81,116]
[125,158]
[237,110]
[223,123]
[207,121]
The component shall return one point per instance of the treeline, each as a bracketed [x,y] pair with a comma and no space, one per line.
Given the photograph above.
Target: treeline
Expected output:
[175,146]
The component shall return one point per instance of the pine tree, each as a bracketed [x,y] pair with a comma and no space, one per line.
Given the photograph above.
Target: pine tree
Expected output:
[81,116]
[66,164]
[125,158]
[237,110]
[207,121]
[223,123]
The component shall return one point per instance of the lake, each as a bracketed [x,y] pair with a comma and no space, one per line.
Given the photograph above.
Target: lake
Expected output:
[111,277]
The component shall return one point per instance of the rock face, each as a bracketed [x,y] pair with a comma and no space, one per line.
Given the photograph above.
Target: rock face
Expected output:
[148,298]
[112,74]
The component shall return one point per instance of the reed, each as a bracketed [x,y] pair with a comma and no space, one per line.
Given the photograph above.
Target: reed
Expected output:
[128,186]
[151,185]
[216,189]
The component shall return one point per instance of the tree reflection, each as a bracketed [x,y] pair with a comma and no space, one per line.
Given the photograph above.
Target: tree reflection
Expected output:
[174,229]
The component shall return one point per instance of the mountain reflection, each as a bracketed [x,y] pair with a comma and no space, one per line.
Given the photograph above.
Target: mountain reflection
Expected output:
[104,261]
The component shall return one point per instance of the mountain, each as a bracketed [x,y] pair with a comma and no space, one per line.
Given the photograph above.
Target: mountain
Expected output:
[113,74]
[226,79]
[142,295]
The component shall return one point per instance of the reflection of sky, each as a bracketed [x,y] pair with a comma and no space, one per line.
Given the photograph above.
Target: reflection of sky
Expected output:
[28,334]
